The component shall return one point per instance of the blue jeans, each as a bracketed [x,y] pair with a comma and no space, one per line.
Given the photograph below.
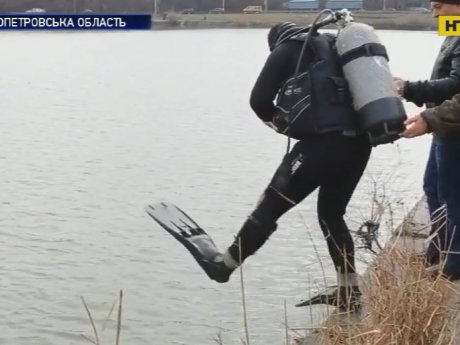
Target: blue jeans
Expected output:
[442,186]
[435,202]
[430,180]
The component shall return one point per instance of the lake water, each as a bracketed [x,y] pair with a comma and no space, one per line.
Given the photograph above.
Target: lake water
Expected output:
[94,126]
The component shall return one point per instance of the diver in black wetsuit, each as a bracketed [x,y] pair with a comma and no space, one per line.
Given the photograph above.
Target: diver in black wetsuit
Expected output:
[332,156]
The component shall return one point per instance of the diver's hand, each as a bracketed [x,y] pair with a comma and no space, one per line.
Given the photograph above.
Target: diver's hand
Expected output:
[398,84]
[278,123]
[271,125]
[415,126]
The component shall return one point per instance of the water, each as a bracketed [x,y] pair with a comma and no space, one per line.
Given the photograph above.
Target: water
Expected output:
[94,126]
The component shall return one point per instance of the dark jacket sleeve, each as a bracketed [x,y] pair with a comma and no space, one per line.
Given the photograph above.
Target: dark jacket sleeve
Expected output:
[276,70]
[437,90]
[445,118]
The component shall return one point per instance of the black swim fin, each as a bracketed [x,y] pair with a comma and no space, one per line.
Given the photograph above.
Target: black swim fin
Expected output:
[345,298]
[191,236]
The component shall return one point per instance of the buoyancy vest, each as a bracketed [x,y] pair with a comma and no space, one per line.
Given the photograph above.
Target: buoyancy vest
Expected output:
[318,100]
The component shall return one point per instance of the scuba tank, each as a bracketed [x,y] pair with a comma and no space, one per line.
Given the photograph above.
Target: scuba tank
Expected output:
[364,61]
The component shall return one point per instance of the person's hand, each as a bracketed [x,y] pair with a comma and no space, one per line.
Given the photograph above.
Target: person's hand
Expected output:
[398,84]
[415,126]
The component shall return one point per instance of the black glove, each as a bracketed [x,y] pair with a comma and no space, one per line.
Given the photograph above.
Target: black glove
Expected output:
[279,123]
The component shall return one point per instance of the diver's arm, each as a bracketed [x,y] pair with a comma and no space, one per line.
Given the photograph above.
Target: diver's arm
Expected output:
[445,118]
[437,90]
[276,70]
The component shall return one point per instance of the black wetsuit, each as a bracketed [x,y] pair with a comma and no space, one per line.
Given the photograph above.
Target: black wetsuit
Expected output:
[334,162]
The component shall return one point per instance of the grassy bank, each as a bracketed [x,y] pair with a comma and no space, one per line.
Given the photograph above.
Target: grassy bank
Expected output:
[405,302]
[378,19]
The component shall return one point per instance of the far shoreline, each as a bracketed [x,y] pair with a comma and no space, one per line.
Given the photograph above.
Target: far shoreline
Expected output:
[380,20]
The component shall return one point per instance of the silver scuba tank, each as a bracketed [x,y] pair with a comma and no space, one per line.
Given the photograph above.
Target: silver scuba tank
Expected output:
[366,69]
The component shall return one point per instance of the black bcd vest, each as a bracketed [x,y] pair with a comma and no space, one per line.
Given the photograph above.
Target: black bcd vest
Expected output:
[318,100]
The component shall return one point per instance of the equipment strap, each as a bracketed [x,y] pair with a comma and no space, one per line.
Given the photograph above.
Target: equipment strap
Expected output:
[368,49]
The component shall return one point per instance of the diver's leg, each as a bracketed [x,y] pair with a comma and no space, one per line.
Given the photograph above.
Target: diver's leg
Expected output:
[297,176]
[334,195]
[338,183]
[342,168]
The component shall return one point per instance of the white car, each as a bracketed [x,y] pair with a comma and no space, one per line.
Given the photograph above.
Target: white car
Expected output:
[36,10]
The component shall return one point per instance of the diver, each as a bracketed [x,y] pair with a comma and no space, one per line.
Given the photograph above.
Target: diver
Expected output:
[331,155]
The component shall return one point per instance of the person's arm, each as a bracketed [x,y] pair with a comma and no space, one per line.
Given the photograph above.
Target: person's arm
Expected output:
[276,70]
[445,118]
[437,90]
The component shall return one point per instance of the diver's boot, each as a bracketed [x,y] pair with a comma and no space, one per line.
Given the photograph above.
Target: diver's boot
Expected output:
[346,298]
[220,267]
[252,235]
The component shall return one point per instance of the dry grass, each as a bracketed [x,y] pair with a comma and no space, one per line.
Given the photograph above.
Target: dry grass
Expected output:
[96,340]
[404,304]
